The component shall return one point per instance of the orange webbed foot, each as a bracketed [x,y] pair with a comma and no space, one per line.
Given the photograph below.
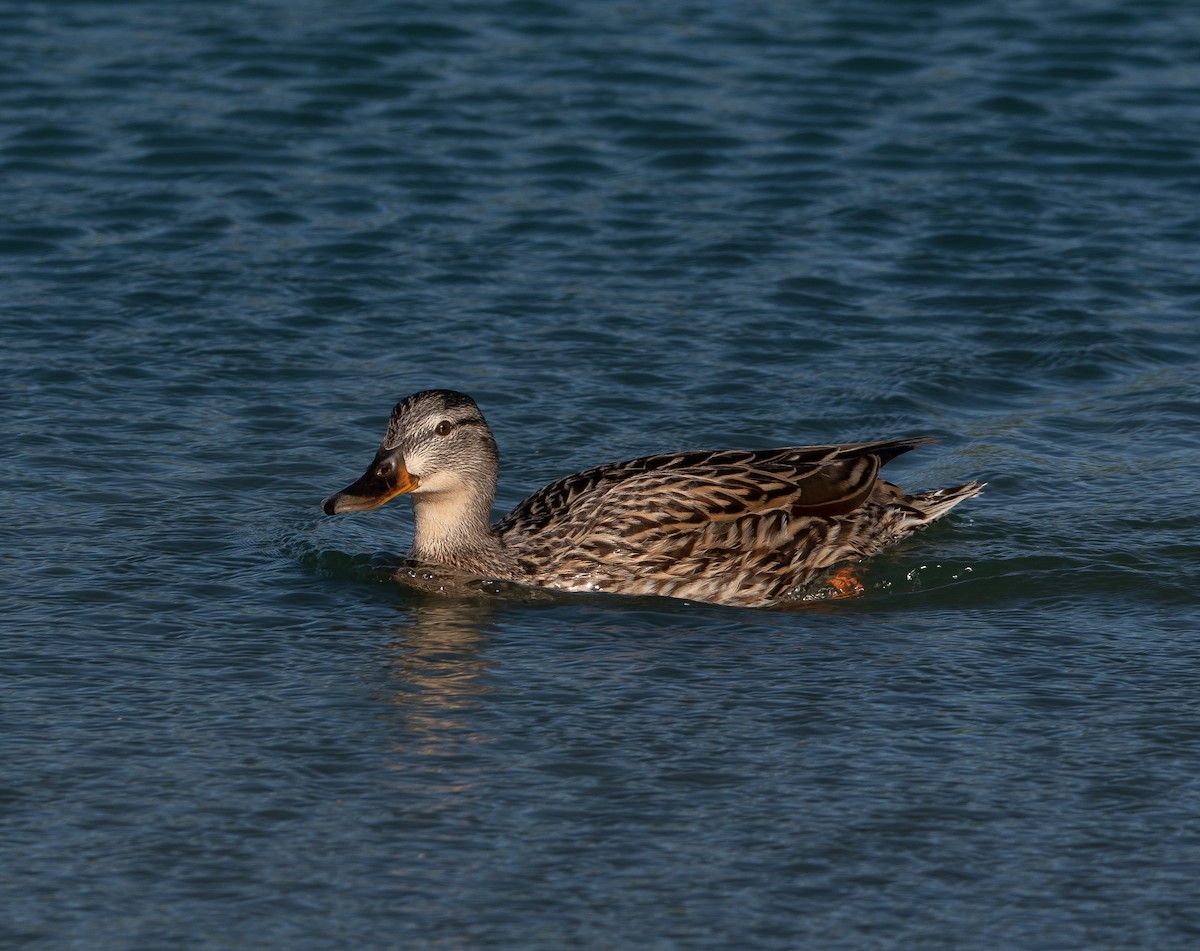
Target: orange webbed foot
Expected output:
[843,583]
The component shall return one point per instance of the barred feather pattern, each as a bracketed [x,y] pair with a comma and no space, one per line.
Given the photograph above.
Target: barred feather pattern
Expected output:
[732,527]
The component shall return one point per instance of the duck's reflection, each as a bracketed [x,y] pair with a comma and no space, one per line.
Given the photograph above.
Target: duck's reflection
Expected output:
[436,666]
[437,662]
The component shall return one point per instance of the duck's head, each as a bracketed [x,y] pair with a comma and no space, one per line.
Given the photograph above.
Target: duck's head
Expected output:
[437,443]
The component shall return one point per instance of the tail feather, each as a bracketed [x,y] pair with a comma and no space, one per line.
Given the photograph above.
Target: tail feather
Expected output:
[935,503]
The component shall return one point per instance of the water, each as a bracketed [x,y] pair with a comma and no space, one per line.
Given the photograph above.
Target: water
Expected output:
[236,233]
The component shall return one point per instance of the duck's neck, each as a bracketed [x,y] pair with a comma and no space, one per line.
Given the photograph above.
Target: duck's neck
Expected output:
[452,528]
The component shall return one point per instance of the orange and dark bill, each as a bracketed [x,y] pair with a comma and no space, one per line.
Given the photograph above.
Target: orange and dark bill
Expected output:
[384,479]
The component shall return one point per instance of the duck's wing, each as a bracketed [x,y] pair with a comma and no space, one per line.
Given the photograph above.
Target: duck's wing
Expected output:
[682,491]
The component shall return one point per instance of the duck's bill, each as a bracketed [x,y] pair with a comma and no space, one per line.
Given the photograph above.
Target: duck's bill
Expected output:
[384,479]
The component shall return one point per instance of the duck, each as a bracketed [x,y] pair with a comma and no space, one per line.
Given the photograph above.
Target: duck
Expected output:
[740,527]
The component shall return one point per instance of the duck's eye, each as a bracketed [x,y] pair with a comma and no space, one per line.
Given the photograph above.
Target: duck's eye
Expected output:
[443,428]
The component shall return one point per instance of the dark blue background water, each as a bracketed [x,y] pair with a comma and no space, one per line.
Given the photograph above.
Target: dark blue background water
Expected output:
[235,233]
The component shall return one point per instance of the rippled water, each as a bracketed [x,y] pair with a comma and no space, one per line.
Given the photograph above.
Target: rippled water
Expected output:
[236,233]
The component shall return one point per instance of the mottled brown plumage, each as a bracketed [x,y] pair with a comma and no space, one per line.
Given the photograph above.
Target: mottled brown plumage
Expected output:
[744,527]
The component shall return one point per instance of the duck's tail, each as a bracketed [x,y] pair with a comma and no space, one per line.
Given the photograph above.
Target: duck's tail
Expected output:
[935,503]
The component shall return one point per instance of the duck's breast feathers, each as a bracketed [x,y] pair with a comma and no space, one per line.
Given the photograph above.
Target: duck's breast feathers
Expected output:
[693,488]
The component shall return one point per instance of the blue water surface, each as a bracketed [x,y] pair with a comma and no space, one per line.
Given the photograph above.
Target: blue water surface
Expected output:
[235,233]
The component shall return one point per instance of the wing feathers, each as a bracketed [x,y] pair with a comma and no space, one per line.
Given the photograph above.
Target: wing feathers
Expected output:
[691,489]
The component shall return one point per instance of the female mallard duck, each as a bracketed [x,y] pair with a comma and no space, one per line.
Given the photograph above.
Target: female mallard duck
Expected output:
[743,527]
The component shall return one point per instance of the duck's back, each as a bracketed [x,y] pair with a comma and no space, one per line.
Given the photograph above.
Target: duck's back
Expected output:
[733,526]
